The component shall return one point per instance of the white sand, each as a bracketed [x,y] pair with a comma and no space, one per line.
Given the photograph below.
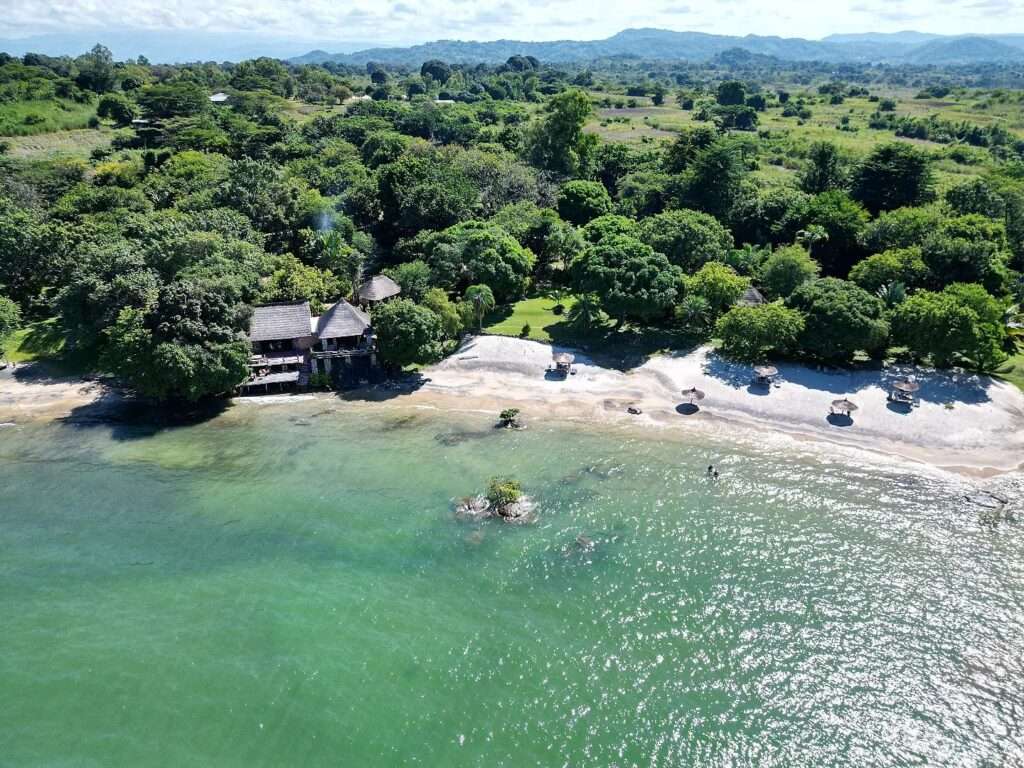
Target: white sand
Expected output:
[26,393]
[983,433]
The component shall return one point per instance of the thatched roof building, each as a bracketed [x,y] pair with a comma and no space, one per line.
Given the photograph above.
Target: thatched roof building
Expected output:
[750,298]
[341,321]
[280,322]
[379,288]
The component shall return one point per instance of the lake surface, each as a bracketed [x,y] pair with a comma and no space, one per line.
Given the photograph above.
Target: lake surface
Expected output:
[288,585]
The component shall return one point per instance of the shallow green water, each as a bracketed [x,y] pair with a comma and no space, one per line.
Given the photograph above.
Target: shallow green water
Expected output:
[277,587]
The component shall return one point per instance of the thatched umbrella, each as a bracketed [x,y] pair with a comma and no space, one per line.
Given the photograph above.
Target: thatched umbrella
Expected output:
[563,358]
[693,393]
[906,385]
[843,406]
[766,371]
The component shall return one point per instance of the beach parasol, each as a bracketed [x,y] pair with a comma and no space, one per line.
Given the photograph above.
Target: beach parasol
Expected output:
[766,371]
[844,406]
[563,358]
[693,393]
[906,385]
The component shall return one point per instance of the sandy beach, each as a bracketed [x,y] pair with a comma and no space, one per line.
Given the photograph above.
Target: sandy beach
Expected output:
[981,434]
[964,422]
[29,393]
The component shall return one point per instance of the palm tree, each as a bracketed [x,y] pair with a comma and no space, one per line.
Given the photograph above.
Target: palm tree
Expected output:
[811,236]
[482,299]
[586,312]
[1013,322]
[892,294]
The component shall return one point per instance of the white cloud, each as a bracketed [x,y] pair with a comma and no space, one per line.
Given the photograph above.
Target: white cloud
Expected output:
[399,21]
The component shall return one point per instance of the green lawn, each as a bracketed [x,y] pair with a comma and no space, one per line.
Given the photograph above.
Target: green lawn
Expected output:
[43,342]
[36,341]
[538,312]
[1013,371]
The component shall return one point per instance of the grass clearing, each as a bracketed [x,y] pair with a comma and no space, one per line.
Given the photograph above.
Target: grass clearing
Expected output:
[538,312]
[78,143]
[1013,370]
[27,118]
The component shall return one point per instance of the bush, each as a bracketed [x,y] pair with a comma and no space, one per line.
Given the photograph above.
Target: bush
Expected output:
[502,492]
[752,333]
[525,331]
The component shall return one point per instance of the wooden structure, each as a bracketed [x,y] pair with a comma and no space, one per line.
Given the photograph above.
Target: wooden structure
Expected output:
[377,289]
[902,391]
[563,363]
[843,407]
[764,375]
[344,345]
[289,344]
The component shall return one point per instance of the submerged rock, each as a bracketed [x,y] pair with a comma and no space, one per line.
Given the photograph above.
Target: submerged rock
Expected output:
[480,508]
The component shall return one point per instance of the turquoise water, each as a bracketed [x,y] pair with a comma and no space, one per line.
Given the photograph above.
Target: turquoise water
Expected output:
[289,586]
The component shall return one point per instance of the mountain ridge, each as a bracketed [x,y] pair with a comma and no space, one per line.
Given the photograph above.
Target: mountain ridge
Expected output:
[907,47]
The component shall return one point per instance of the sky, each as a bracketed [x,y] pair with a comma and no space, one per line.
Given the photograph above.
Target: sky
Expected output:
[402,22]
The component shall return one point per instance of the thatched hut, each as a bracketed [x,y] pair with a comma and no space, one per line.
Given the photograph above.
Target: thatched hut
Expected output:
[563,362]
[764,375]
[902,391]
[843,407]
[377,289]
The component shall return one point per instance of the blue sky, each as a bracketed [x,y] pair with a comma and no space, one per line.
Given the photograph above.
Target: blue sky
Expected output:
[408,21]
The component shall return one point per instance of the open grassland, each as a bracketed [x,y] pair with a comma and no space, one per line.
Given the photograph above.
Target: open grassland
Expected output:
[28,118]
[74,143]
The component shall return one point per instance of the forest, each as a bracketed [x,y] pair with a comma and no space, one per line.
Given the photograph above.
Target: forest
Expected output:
[877,211]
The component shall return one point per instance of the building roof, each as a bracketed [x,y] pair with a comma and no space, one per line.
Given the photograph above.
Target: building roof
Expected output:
[279,322]
[219,97]
[378,288]
[342,321]
[750,298]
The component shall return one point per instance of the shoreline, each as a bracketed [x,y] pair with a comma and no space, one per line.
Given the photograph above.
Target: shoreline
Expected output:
[981,436]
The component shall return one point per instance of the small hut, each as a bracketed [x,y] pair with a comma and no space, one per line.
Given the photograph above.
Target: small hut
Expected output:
[764,375]
[843,407]
[902,391]
[750,298]
[377,289]
[563,363]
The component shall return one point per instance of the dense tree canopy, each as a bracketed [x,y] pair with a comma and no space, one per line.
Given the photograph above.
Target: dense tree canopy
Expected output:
[629,277]
[840,319]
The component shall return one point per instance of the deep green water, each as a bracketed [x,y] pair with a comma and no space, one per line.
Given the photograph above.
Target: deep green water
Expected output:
[277,587]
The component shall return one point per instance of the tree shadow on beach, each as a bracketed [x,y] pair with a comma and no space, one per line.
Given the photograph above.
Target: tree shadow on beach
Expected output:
[390,389]
[935,386]
[622,349]
[129,418]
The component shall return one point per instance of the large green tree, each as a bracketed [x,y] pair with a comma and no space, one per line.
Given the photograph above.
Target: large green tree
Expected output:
[841,319]
[582,201]
[689,238]
[556,142]
[629,277]
[756,332]
[785,269]
[892,176]
[407,333]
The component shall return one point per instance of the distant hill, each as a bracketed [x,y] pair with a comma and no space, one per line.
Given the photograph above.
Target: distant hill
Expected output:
[898,47]
[965,50]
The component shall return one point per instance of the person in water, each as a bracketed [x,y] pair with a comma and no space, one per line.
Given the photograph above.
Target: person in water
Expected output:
[715,475]
[711,470]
